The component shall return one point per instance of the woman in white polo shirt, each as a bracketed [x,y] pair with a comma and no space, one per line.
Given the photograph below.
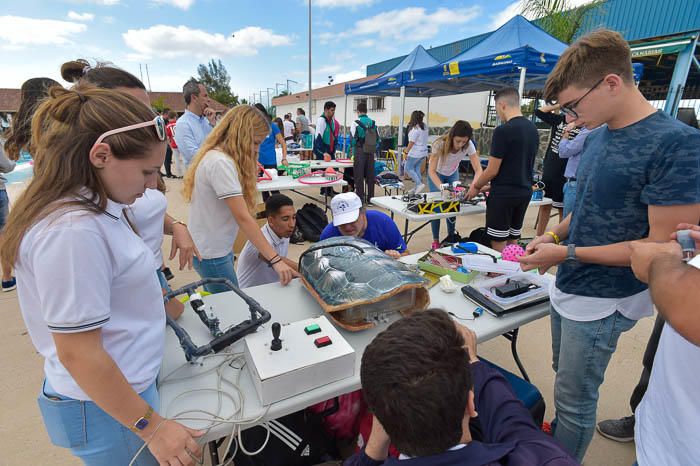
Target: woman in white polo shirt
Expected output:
[221,185]
[443,166]
[148,213]
[86,286]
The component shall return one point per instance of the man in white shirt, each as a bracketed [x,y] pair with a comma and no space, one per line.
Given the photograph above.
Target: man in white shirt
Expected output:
[289,128]
[281,220]
[668,417]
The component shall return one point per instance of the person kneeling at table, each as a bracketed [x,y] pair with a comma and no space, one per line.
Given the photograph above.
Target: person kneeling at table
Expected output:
[350,218]
[423,382]
[253,269]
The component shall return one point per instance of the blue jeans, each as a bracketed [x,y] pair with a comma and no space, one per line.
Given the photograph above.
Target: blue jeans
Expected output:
[435,224]
[219,267]
[4,207]
[413,166]
[581,352]
[91,434]
[569,197]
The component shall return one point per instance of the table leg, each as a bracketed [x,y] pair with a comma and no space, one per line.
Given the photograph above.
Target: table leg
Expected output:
[513,337]
[405,229]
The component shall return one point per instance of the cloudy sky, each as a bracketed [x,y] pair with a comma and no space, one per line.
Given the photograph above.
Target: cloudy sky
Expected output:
[261,43]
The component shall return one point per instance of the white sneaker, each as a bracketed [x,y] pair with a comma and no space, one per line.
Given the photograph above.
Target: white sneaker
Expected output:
[419,188]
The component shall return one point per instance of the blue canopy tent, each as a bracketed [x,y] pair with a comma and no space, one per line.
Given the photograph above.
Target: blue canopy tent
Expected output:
[391,82]
[516,54]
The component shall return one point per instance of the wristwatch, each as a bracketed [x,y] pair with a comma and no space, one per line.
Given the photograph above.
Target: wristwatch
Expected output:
[143,421]
[571,253]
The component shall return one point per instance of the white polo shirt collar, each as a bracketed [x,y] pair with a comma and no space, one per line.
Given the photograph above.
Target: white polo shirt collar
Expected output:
[276,240]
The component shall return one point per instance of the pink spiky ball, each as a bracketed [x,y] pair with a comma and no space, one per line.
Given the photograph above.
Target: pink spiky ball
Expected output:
[512,252]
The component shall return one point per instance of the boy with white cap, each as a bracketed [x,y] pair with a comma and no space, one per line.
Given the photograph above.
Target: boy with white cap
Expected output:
[350,218]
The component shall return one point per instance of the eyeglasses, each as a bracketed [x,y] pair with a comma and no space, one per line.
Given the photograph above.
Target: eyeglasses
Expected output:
[158,122]
[568,109]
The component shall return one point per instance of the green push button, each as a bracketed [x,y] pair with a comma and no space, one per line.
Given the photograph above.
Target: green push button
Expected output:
[311,329]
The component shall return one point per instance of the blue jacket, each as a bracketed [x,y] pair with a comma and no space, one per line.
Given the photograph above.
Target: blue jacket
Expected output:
[510,435]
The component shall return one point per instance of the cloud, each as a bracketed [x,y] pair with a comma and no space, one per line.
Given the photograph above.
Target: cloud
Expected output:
[108,19]
[23,31]
[184,41]
[80,16]
[349,76]
[342,3]
[329,69]
[181,4]
[395,25]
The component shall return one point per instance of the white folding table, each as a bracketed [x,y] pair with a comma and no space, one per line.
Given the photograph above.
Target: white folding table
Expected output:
[287,183]
[396,206]
[193,387]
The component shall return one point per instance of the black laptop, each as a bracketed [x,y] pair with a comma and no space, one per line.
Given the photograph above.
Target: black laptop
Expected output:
[492,308]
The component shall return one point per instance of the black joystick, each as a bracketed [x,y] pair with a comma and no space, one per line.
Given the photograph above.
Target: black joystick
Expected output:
[276,344]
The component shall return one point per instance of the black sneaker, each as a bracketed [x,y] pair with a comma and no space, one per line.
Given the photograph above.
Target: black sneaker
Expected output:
[167,273]
[9,285]
[619,430]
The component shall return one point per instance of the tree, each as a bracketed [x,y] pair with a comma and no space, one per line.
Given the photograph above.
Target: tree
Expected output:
[284,92]
[217,81]
[158,104]
[558,17]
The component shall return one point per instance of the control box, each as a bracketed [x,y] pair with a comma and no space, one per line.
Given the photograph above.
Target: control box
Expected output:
[311,353]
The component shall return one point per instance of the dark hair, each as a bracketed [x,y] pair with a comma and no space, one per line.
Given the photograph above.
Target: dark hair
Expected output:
[362,107]
[172,115]
[103,75]
[274,203]
[416,119]
[190,88]
[262,108]
[328,105]
[301,110]
[416,380]
[280,124]
[510,95]
[19,135]
[287,116]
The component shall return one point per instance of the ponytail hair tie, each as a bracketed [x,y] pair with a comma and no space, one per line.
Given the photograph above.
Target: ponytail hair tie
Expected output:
[82,98]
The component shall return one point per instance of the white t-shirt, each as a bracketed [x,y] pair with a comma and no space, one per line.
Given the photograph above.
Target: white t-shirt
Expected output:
[668,418]
[252,271]
[450,163]
[79,271]
[212,225]
[288,128]
[587,308]
[148,215]
[419,138]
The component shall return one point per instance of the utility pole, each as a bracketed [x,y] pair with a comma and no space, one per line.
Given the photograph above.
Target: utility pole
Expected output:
[269,97]
[149,79]
[277,90]
[311,117]
[290,81]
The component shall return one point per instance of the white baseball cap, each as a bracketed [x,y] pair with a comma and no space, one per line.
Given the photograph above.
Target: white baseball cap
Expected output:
[346,208]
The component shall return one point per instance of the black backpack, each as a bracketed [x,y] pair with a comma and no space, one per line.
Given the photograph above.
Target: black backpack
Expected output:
[311,220]
[298,439]
[369,142]
[480,236]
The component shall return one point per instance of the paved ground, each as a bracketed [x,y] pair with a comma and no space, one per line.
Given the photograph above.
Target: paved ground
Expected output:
[23,440]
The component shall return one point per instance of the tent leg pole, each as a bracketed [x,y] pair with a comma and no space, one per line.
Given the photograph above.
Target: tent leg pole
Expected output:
[399,141]
[427,117]
[521,85]
[345,126]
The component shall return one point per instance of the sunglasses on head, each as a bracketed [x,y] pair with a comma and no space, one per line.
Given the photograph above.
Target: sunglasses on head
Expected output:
[158,122]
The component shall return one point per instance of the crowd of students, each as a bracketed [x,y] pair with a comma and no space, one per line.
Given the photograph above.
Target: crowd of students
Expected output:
[95,215]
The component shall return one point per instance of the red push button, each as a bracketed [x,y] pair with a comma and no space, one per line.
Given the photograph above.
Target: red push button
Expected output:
[322,341]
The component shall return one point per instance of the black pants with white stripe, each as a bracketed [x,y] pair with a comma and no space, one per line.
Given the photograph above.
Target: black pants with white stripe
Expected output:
[504,217]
